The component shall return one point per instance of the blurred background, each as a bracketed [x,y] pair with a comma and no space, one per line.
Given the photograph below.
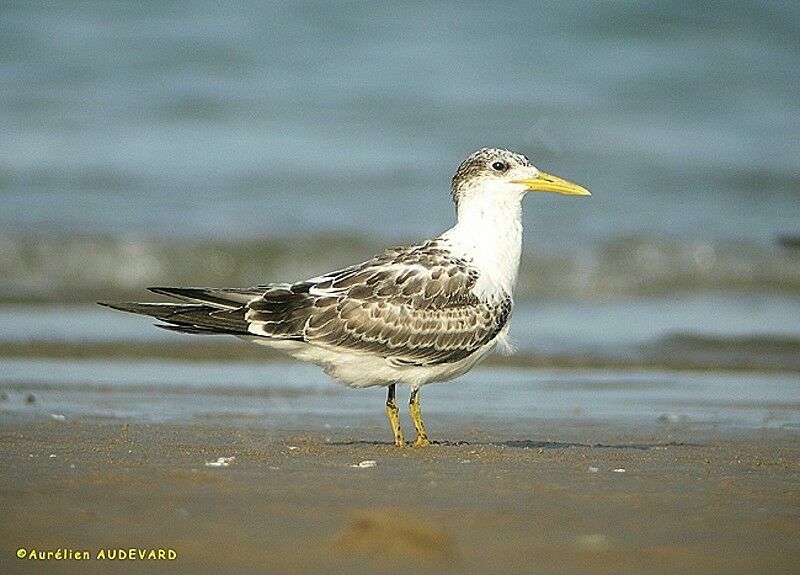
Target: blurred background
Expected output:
[208,143]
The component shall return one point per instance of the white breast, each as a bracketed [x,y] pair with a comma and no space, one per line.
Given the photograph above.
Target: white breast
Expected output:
[489,235]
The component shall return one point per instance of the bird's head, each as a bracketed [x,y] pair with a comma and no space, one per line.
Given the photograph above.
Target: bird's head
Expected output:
[505,174]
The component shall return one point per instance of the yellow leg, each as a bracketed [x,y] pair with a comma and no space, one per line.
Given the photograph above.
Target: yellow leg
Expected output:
[392,413]
[416,415]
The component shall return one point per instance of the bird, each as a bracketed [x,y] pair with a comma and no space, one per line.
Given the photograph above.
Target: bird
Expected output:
[410,315]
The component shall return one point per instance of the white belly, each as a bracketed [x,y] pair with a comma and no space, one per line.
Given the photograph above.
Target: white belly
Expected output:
[355,369]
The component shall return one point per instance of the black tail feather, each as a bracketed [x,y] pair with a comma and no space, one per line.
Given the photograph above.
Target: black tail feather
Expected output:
[189,317]
[228,298]
[194,330]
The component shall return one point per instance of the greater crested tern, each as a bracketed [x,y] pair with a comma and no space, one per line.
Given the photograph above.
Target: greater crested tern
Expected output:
[411,315]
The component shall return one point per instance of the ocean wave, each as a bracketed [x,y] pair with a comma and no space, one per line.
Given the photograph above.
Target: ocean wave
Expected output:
[89,267]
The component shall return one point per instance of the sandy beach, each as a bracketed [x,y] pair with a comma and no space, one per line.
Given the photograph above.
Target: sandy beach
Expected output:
[549,496]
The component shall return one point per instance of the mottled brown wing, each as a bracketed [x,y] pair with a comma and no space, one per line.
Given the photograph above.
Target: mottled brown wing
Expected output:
[414,306]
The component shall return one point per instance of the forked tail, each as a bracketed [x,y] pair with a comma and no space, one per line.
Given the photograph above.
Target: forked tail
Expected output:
[208,311]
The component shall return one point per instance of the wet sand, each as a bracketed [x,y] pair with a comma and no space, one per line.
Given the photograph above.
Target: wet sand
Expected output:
[560,496]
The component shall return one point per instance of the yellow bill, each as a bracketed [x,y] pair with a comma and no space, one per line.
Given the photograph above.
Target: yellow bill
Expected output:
[547,183]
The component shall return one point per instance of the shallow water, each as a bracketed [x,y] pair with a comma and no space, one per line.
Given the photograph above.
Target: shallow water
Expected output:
[275,393]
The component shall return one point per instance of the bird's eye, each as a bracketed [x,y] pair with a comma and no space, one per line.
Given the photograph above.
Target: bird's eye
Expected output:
[500,166]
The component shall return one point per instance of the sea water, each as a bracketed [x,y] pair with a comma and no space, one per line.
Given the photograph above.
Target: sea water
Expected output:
[199,143]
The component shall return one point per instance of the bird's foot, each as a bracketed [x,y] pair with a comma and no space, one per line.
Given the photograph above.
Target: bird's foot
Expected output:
[392,412]
[421,441]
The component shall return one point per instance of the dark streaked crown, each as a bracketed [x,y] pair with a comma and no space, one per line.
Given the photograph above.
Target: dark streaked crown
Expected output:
[484,163]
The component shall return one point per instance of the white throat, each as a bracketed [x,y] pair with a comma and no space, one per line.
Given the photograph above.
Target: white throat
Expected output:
[488,232]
